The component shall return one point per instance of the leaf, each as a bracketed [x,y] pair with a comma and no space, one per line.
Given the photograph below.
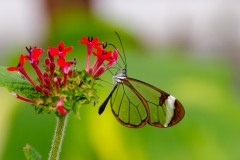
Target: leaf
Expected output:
[76,108]
[14,82]
[31,153]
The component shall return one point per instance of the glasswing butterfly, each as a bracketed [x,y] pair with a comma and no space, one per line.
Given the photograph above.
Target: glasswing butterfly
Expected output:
[135,103]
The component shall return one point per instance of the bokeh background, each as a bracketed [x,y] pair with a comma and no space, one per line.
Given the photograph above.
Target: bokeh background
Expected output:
[190,49]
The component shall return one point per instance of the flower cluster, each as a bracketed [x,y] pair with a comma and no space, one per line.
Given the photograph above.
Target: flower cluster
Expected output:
[61,88]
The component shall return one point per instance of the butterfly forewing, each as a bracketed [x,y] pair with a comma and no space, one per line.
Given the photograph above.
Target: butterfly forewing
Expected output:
[164,110]
[128,107]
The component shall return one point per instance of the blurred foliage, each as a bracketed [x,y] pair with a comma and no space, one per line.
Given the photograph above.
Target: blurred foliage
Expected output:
[205,87]
[31,153]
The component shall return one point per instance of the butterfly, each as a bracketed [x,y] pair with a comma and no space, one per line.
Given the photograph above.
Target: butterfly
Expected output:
[135,103]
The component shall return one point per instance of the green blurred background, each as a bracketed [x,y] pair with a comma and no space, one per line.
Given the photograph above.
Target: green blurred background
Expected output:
[205,78]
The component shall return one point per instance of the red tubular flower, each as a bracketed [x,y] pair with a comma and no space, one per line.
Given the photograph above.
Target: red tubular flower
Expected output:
[62,63]
[59,106]
[19,66]
[103,55]
[48,83]
[57,84]
[45,74]
[60,51]
[23,98]
[90,42]
[99,72]
[111,61]
[65,66]
[33,57]
[33,54]
[51,58]
[36,52]
[22,70]
[113,58]
[47,63]
[47,92]
[52,69]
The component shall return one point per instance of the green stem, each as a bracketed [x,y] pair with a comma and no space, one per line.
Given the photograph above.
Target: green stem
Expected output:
[58,137]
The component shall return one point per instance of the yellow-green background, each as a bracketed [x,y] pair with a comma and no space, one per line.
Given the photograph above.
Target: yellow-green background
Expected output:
[205,86]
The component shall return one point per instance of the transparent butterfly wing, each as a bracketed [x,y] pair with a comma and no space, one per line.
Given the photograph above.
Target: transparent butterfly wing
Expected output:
[164,109]
[128,107]
[134,103]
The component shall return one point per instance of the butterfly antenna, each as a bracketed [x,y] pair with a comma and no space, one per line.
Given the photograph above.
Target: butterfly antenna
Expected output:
[125,60]
[105,82]
[119,65]
[113,67]
[108,69]
[119,55]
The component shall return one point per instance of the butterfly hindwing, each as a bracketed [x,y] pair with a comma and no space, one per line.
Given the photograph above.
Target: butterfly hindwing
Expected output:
[128,107]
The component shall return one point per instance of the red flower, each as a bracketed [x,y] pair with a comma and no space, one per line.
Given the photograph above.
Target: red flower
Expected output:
[22,70]
[24,98]
[60,51]
[59,106]
[65,66]
[90,42]
[113,59]
[99,72]
[62,63]
[103,55]
[33,56]
[19,66]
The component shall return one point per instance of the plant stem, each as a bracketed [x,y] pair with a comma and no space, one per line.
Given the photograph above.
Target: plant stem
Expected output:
[58,137]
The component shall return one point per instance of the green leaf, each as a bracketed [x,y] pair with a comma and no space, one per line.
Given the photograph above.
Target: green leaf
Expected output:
[14,82]
[68,104]
[76,108]
[31,153]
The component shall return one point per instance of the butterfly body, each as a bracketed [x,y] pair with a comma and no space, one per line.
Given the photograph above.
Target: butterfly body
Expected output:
[135,103]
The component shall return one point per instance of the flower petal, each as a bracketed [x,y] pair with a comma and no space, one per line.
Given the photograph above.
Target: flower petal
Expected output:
[61,110]
[12,69]
[59,106]
[107,55]
[115,55]
[21,60]
[53,51]
[67,49]
[36,53]
[84,40]
[62,63]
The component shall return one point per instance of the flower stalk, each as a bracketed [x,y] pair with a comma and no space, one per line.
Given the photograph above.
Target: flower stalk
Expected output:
[58,137]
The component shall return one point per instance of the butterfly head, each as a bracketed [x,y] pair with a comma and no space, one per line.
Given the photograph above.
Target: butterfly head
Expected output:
[121,76]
